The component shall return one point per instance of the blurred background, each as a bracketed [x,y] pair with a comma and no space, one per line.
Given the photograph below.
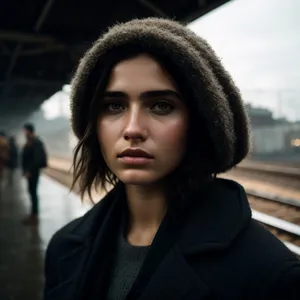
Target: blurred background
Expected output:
[41,42]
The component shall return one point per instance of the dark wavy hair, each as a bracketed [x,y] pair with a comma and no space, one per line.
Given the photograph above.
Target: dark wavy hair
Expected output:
[218,134]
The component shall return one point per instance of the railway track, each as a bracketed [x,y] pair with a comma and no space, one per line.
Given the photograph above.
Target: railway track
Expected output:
[274,196]
[282,180]
[275,170]
[282,219]
[280,215]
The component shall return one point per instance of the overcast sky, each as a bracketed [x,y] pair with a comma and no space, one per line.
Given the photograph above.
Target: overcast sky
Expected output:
[259,43]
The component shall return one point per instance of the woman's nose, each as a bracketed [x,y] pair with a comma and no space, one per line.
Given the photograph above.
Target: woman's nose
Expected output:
[135,126]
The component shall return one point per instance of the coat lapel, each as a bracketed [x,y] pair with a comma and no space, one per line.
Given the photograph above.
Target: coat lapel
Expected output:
[70,267]
[175,279]
[164,240]
[94,275]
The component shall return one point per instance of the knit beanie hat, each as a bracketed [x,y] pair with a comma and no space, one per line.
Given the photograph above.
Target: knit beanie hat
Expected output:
[214,92]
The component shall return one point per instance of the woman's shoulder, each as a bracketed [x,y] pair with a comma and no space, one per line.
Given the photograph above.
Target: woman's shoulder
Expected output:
[255,262]
[286,282]
[261,245]
[256,236]
[235,244]
[266,259]
[270,263]
[61,237]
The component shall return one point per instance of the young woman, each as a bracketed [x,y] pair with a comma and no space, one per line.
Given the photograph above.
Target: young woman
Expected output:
[157,118]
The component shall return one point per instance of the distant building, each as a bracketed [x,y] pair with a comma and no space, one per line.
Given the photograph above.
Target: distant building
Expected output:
[269,135]
[260,116]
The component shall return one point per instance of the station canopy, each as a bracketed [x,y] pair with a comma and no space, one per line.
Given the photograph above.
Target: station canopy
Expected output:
[41,42]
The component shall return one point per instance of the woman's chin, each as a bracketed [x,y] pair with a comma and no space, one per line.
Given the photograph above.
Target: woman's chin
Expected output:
[136,177]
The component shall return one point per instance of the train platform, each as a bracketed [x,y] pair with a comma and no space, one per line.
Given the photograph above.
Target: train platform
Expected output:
[22,248]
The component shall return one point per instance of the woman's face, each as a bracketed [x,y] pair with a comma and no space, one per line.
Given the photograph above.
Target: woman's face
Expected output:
[143,122]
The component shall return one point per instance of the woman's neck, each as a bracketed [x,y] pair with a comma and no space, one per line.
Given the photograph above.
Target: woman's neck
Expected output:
[147,207]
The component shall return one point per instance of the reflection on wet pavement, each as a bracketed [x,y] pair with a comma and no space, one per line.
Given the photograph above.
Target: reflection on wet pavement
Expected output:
[22,247]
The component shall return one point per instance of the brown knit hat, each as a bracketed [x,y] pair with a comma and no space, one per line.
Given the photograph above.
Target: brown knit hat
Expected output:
[217,97]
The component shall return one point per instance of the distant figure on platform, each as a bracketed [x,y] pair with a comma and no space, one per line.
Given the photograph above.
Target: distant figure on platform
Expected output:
[34,158]
[12,162]
[4,152]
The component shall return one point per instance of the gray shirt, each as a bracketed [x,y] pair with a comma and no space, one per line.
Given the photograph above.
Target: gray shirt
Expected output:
[127,263]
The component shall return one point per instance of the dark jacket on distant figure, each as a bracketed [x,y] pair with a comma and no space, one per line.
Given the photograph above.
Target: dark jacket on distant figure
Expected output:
[212,250]
[34,156]
[13,158]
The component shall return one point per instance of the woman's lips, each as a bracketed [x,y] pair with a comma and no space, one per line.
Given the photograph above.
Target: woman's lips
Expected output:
[135,160]
[135,156]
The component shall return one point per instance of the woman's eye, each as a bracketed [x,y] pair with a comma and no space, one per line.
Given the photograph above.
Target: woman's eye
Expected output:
[162,107]
[114,107]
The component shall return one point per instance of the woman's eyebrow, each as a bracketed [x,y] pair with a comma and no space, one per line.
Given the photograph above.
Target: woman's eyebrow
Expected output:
[160,94]
[144,95]
[114,95]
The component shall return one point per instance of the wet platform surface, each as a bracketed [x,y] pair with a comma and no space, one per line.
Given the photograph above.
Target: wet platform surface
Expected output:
[22,248]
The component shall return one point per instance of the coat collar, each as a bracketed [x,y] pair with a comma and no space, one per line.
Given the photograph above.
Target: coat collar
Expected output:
[220,212]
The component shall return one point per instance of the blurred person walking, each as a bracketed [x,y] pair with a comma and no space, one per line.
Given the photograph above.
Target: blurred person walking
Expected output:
[34,158]
[13,157]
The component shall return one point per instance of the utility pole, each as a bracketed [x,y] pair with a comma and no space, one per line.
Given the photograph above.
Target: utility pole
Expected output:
[279,103]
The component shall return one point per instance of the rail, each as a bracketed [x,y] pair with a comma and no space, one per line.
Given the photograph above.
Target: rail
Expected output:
[292,172]
[281,225]
[274,198]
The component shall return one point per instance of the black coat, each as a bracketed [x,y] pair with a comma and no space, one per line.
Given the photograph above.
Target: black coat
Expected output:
[34,156]
[213,250]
